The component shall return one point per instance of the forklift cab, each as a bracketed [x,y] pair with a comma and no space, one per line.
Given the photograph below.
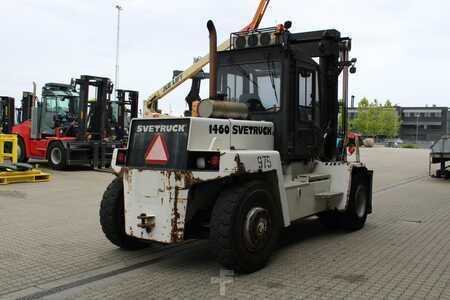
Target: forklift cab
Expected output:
[58,108]
[290,80]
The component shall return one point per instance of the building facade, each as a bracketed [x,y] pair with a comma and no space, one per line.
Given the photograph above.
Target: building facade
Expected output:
[419,124]
[424,123]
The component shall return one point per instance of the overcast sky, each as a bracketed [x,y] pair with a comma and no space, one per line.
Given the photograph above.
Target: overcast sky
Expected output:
[403,47]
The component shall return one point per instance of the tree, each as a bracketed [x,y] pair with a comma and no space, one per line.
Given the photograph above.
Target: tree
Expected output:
[362,120]
[375,119]
[389,120]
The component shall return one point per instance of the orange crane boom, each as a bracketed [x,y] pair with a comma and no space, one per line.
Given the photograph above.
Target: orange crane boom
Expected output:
[150,103]
[258,16]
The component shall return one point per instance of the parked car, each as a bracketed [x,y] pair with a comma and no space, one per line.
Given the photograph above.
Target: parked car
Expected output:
[393,143]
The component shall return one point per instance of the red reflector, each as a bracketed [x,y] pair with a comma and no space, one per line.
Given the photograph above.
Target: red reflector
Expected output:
[121,158]
[351,150]
[214,161]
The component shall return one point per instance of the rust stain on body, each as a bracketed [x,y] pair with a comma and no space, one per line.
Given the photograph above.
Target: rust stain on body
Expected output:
[174,181]
[240,167]
[175,216]
[184,177]
[127,175]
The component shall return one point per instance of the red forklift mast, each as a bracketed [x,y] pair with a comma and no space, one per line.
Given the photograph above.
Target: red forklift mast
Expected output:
[7,114]
[24,112]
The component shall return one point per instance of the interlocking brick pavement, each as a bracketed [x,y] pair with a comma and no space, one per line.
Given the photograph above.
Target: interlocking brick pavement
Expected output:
[49,231]
[402,253]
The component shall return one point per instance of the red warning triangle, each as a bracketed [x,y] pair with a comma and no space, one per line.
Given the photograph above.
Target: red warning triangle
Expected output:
[157,153]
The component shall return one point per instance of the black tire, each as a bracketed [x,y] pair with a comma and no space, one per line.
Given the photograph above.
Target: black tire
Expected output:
[56,156]
[22,152]
[330,219]
[354,217]
[112,218]
[447,174]
[238,214]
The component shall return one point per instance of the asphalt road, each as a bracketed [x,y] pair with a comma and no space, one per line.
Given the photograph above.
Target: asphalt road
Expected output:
[51,246]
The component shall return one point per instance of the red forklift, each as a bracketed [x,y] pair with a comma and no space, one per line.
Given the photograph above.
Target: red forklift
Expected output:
[70,125]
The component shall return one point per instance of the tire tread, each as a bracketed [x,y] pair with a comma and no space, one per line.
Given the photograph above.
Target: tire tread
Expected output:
[222,236]
[63,163]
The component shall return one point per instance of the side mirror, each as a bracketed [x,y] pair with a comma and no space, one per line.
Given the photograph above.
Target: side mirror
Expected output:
[287,25]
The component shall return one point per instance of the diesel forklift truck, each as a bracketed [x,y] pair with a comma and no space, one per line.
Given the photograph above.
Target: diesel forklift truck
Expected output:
[69,126]
[258,155]
[7,114]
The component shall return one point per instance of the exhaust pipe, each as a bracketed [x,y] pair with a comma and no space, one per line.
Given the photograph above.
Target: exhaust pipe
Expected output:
[212,60]
[33,101]
[213,108]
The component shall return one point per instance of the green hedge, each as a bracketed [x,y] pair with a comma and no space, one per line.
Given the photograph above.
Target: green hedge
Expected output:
[409,146]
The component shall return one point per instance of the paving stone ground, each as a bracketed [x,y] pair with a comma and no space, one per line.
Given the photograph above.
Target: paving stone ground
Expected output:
[52,246]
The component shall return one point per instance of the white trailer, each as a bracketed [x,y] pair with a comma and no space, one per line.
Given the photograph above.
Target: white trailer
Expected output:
[440,154]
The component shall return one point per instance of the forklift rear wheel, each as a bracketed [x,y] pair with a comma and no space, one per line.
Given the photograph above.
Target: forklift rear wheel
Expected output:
[245,227]
[354,217]
[112,218]
[57,156]
[21,151]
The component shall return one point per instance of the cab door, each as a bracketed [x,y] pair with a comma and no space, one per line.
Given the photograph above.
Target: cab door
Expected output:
[306,101]
[48,114]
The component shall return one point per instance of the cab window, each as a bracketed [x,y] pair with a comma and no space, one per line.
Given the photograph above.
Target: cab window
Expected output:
[306,83]
[50,103]
[255,84]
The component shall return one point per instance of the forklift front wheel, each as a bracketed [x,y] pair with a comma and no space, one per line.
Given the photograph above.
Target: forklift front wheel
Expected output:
[355,215]
[245,227]
[57,156]
[21,151]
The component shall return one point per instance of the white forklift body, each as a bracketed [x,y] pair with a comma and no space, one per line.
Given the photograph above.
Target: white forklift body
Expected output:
[156,200]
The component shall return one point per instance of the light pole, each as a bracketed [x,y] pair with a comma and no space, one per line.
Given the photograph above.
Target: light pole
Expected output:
[417,127]
[116,79]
